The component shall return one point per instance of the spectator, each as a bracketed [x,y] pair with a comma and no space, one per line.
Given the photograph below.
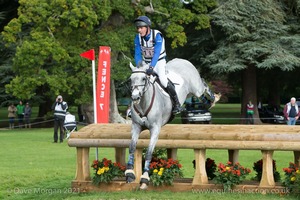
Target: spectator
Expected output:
[291,112]
[60,108]
[11,115]
[27,115]
[250,112]
[20,113]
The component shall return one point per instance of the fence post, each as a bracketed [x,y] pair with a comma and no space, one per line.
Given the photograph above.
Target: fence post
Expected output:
[233,156]
[267,178]
[138,157]
[297,158]
[200,176]
[83,165]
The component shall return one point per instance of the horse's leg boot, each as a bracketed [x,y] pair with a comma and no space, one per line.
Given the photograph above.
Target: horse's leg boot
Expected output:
[172,92]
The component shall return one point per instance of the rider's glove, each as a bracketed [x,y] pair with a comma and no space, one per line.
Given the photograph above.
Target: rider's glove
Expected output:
[149,71]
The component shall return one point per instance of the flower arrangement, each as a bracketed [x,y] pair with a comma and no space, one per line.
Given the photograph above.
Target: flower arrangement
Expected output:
[164,171]
[292,178]
[230,174]
[105,170]
[257,166]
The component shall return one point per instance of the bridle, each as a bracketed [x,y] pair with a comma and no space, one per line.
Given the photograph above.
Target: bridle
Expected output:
[146,87]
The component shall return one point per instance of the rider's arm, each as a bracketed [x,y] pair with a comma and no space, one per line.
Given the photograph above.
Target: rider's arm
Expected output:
[137,49]
[157,49]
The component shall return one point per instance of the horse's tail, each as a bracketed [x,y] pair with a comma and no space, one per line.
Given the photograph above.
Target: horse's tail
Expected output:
[210,95]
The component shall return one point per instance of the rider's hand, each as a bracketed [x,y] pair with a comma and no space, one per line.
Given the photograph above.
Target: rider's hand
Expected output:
[149,71]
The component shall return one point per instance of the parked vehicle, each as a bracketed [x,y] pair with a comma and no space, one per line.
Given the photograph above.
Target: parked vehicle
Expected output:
[271,114]
[195,112]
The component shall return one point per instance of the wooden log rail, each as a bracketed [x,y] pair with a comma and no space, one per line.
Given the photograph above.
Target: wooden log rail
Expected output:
[233,138]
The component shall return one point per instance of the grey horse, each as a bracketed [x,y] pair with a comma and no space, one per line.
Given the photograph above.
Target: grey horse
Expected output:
[152,107]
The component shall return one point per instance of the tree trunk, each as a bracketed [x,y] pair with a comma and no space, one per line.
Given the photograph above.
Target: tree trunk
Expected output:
[114,115]
[249,93]
[44,108]
[274,88]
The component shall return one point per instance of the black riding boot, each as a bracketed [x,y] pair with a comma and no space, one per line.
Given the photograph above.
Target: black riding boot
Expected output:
[172,92]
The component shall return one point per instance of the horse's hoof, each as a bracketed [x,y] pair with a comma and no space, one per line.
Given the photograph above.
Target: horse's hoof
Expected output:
[130,177]
[144,181]
[143,186]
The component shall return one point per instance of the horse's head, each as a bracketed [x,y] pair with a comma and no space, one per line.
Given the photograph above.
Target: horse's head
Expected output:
[139,82]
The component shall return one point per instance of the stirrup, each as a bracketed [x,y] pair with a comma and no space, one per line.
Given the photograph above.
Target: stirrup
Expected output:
[176,110]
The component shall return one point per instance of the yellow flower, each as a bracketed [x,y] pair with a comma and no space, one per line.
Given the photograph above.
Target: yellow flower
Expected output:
[100,171]
[161,169]
[155,171]
[106,169]
[160,173]
[293,178]
[227,168]
[298,171]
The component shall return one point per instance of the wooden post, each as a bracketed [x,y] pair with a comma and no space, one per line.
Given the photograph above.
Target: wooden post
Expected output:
[83,165]
[120,154]
[267,178]
[172,153]
[200,176]
[297,158]
[233,156]
[138,157]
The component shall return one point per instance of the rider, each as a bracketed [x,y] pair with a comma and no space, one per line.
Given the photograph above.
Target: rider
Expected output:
[150,47]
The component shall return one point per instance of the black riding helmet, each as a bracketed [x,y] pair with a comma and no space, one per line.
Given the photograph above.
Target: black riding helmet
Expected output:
[142,21]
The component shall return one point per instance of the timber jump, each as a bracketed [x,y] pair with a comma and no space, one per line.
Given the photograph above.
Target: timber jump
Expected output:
[267,138]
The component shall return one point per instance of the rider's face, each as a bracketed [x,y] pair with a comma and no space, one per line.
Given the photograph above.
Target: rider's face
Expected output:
[142,31]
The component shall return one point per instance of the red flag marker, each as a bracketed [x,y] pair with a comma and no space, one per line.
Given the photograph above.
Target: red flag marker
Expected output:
[90,54]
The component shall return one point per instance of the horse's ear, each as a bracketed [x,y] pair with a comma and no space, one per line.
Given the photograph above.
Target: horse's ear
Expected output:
[131,66]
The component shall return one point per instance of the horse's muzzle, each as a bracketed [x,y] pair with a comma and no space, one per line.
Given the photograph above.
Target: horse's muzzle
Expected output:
[135,96]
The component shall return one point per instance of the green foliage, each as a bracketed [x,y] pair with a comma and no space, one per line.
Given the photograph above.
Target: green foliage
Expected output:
[48,37]
[256,33]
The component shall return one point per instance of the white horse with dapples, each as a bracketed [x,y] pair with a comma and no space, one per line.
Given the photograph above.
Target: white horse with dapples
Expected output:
[152,107]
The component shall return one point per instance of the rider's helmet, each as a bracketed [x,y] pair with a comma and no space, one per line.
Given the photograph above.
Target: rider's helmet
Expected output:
[142,21]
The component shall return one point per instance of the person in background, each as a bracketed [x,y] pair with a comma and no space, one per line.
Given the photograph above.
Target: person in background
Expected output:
[250,112]
[291,112]
[20,113]
[11,115]
[27,115]
[60,109]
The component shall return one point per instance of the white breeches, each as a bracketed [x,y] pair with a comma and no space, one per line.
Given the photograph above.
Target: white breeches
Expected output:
[160,69]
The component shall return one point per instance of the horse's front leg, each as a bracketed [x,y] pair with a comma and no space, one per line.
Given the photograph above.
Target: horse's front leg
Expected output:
[145,179]
[129,173]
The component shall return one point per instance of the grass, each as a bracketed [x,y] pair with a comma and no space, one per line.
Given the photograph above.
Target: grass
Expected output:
[32,167]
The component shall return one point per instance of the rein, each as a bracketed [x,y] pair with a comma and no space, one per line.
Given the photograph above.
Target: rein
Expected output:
[150,106]
[152,99]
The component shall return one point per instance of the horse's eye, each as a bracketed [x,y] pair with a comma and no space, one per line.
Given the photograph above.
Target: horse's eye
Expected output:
[144,79]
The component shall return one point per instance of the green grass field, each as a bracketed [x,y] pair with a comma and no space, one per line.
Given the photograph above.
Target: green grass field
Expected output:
[32,167]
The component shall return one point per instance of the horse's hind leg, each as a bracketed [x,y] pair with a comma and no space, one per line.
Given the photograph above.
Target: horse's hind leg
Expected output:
[129,173]
[145,179]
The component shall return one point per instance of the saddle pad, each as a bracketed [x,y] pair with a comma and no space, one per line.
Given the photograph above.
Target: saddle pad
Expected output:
[176,80]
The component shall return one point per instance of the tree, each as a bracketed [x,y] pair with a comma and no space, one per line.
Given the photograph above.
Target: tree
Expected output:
[50,35]
[256,35]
